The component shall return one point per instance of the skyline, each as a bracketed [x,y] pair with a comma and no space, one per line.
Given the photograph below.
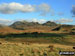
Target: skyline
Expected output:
[62,11]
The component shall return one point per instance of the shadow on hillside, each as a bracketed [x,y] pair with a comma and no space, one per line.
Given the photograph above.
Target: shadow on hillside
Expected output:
[34,34]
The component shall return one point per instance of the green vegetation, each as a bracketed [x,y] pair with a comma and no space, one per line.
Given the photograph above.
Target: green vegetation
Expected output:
[66,40]
[35,44]
[34,35]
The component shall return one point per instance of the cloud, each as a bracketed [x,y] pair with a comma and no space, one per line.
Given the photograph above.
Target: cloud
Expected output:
[10,8]
[64,20]
[44,9]
[34,20]
[28,20]
[42,21]
[73,9]
[5,21]
[38,20]
[9,21]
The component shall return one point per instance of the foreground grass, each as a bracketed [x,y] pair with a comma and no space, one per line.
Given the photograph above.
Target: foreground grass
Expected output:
[29,46]
[23,49]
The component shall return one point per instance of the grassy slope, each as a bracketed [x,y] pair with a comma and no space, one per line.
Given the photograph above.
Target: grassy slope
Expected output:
[24,46]
[22,49]
[64,40]
[36,46]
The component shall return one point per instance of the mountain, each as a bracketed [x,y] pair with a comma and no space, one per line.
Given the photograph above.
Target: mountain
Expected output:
[21,25]
[49,23]
[33,26]
[24,26]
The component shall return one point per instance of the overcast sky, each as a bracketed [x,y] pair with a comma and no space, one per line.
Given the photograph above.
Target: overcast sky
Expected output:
[62,11]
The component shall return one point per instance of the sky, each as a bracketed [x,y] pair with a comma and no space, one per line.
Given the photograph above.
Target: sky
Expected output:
[60,11]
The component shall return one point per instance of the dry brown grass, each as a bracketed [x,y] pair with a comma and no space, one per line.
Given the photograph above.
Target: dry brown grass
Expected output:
[43,29]
[19,49]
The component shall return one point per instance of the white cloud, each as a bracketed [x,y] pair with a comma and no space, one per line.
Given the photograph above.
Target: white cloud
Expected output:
[44,9]
[11,8]
[8,21]
[64,20]
[36,20]
[5,21]
[15,7]
[42,21]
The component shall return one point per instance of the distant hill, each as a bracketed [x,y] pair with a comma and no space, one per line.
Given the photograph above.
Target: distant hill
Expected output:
[47,27]
[49,23]
[21,25]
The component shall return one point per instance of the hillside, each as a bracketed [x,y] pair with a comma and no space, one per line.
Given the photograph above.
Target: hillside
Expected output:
[47,27]
[6,29]
[32,39]
[49,23]
[21,25]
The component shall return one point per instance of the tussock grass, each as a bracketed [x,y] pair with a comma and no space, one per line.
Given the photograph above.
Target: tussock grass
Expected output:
[19,49]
